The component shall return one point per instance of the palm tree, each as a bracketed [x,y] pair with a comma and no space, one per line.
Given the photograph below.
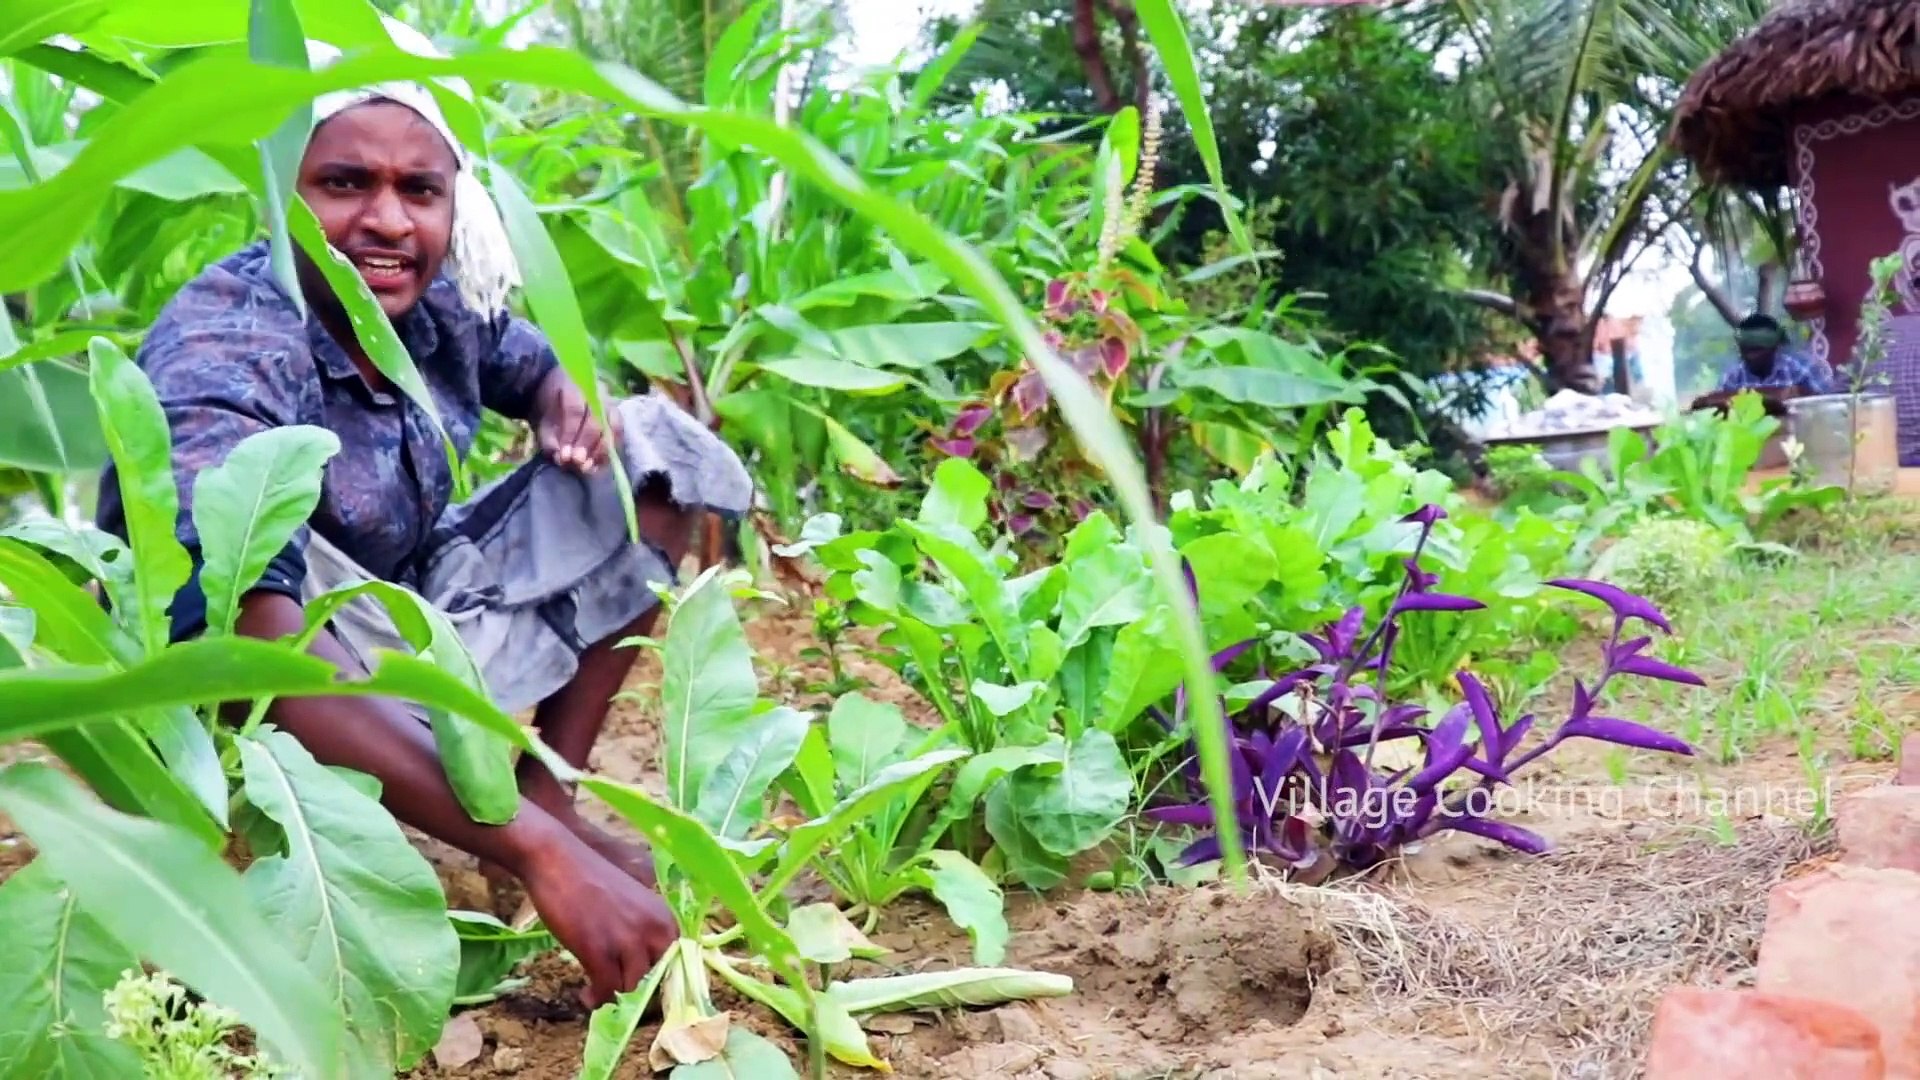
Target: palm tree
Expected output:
[1583,90]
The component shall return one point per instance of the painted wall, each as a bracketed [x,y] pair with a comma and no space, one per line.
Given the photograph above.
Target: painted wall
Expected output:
[1857,170]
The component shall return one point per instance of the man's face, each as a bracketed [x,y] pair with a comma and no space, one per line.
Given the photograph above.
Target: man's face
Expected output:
[1758,358]
[380,179]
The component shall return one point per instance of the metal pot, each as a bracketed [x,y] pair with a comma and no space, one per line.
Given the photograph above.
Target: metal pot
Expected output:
[1845,436]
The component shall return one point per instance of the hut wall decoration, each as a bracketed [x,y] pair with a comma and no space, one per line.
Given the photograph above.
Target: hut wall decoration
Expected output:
[1824,96]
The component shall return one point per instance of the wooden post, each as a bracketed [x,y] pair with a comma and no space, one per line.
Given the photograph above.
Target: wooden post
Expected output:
[1622,378]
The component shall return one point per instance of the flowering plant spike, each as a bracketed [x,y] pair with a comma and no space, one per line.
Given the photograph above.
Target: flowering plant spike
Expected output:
[1306,785]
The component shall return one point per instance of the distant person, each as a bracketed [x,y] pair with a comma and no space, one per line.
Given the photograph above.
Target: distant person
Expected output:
[1768,363]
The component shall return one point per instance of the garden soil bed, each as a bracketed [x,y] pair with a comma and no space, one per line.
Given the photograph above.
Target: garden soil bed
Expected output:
[1463,960]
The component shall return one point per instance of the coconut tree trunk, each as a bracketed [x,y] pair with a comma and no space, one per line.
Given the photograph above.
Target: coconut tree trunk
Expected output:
[1557,315]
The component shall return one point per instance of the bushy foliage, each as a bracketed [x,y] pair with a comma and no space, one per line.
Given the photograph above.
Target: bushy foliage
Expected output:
[1666,559]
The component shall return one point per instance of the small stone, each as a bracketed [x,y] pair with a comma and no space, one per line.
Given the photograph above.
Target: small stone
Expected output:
[460,1043]
[1065,1069]
[1699,1032]
[1017,1025]
[509,1032]
[1838,935]
[1880,828]
[889,1024]
[991,1059]
[508,1059]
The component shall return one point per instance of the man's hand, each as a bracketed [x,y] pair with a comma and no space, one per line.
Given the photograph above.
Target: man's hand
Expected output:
[616,927]
[567,431]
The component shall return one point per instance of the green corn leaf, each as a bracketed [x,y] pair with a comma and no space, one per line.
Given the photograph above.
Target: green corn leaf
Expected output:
[165,896]
[692,848]
[551,299]
[56,963]
[142,445]
[274,37]
[835,375]
[360,909]
[209,671]
[248,507]
[196,104]
[479,763]
[371,327]
[1168,33]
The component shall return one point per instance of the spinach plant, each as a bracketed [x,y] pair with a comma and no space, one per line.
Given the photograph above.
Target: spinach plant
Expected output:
[722,859]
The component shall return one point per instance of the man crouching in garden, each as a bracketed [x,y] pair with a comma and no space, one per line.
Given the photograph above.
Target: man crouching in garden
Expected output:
[537,570]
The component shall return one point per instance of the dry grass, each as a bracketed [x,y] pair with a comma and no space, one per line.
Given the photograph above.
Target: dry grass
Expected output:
[1576,948]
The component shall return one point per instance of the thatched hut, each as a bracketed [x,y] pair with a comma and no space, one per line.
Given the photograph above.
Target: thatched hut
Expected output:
[1823,96]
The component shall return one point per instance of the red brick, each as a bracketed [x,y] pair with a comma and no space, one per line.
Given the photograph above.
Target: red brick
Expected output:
[1846,935]
[1702,1033]
[1909,770]
[1880,828]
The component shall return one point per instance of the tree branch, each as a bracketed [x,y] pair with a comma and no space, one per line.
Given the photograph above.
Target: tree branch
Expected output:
[1493,301]
[1716,296]
[1129,23]
[1086,44]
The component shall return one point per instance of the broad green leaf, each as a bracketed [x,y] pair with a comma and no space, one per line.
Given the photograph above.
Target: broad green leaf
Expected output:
[16,635]
[52,424]
[835,375]
[1105,588]
[113,756]
[1073,808]
[856,458]
[489,950]
[811,778]
[195,105]
[248,507]
[695,851]
[972,900]
[731,799]
[746,1057]
[1263,388]
[56,963]
[1016,849]
[101,554]
[478,761]
[907,345]
[612,1025]
[964,988]
[865,737]
[805,840]
[824,935]
[981,771]
[360,909]
[1004,701]
[960,555]
[550,298]
[142,448]
[166,896]
[1230,569]
[707,688]
[957,496]
[914,283]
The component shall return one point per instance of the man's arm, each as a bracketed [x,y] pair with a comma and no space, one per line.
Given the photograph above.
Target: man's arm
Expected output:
[616,927]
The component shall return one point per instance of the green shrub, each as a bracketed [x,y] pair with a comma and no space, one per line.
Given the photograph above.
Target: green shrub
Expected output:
[1665,559]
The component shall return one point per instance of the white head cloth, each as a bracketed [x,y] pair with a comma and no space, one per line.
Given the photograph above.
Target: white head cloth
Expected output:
[480,258]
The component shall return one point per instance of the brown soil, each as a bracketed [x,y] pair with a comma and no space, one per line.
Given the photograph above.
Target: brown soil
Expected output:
[1462,960]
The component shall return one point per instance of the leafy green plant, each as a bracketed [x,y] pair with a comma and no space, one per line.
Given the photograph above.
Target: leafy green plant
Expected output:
[723,753]
[175,1037]
[1666,559]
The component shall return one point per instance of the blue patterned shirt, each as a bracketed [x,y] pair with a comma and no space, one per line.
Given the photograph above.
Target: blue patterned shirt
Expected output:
[231,355]
[1790,369]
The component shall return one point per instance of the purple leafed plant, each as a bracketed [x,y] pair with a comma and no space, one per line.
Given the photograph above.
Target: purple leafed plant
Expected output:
[1305,785]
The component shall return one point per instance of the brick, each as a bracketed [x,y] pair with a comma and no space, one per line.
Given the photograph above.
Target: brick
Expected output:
[1909,770]
[1880,828]
[1703,1033]
[1845,935]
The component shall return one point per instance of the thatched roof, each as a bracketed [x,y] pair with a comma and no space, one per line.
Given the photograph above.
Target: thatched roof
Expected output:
[1733,116]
